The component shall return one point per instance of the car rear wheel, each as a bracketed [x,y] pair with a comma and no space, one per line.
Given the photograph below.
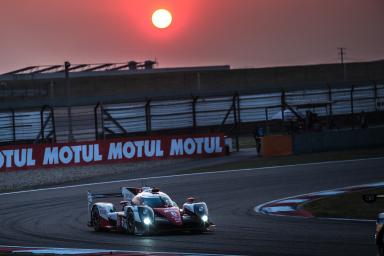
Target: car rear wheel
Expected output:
[96,219]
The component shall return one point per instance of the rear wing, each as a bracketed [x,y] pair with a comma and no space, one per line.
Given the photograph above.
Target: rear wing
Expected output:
[127,193]
[91,196]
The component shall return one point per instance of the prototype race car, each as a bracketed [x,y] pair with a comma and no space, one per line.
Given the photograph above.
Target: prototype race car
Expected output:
[147,210]
[379,232]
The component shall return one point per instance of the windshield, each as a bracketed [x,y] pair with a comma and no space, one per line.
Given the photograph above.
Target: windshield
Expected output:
[158,202]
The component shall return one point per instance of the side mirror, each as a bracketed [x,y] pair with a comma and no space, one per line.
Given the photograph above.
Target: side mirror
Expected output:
[190,200]
[369,198]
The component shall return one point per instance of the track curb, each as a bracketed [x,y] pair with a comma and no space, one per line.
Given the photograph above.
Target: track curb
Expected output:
[91,252]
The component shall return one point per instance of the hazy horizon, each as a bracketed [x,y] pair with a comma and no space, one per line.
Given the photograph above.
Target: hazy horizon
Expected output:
[245,33]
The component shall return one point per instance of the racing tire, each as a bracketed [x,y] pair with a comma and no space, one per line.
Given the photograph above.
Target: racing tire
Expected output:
[199,230]
[96,219]
[131,223]
[380,238]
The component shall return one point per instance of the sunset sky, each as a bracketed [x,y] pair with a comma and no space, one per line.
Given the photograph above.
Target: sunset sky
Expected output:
[241,33]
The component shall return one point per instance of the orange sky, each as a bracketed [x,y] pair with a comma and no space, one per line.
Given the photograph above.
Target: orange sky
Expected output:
[242,33]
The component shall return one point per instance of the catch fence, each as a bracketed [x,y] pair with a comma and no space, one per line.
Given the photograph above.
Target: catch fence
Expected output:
[232,114]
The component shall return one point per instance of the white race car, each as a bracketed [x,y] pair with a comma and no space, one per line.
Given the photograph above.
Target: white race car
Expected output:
[147,210]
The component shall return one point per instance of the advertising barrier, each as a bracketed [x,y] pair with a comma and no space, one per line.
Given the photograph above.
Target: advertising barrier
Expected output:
[22,157]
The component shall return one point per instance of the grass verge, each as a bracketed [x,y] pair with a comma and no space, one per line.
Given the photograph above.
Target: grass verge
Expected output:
[350,205]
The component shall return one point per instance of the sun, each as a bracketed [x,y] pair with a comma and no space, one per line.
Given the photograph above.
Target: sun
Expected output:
[161,18]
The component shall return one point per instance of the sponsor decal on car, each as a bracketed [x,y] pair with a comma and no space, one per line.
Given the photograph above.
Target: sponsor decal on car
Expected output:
[172,214]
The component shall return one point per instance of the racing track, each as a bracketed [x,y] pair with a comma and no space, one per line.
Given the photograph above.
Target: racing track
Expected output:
[57,218]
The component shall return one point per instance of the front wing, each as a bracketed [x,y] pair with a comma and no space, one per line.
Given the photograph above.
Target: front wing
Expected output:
[163,225]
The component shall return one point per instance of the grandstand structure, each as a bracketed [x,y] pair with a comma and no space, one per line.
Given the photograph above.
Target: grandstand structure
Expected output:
[135,98]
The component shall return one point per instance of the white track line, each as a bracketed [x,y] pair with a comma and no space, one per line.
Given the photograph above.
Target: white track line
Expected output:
[190,174]
[63,251]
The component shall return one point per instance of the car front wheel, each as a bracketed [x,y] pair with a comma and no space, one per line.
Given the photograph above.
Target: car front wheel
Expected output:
[131,224]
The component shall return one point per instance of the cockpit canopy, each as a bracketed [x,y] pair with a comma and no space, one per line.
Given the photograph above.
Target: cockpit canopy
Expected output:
[158,200]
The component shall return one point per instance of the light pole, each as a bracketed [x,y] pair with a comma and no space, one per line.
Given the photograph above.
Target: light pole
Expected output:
[342,54]
[68,94]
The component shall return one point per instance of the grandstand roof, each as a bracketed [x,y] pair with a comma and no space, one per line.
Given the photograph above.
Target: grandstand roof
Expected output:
[99,69]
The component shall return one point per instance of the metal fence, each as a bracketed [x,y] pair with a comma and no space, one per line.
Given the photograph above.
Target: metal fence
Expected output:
[25,126]
[227,114]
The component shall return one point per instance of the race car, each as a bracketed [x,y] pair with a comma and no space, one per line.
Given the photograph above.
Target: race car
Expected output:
[379,232]
[147,210]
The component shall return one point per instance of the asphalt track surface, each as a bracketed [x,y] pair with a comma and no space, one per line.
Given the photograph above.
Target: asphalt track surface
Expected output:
[57,217]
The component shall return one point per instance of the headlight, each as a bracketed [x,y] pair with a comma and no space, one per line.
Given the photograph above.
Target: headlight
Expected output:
[147,221]
[204,218]
[146,215]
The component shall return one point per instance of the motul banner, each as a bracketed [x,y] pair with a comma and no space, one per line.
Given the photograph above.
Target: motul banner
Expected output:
[110,151]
